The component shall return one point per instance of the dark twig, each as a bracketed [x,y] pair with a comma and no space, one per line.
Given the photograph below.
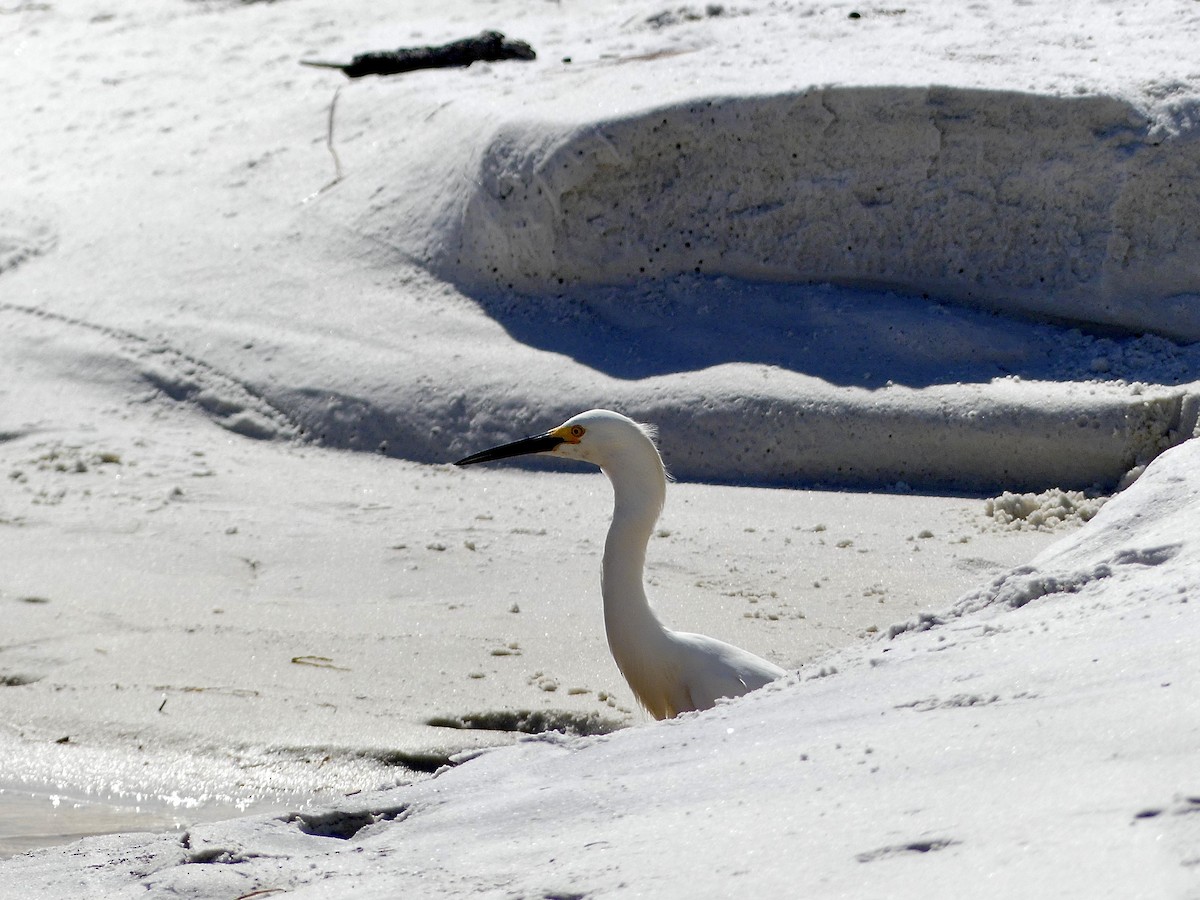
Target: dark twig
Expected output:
[489,46]
[337,163]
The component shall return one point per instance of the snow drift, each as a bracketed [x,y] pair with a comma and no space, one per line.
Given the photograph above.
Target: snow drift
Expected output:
[1074,208]
[1048,718]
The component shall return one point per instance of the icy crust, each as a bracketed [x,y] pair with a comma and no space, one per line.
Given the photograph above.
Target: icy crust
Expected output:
[1076,208]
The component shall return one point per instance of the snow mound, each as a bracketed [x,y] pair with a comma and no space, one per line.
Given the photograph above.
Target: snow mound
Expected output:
[1123,545]
[1004,200]
[1046,510]
[613,244]
[1067,705]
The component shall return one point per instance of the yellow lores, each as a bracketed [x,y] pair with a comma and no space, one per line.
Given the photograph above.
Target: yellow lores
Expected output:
[571,434]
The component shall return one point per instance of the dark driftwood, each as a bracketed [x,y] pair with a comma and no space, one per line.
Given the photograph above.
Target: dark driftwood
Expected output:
[489,46]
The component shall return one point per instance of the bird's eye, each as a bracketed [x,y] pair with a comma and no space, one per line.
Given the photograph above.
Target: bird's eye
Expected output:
[577,431]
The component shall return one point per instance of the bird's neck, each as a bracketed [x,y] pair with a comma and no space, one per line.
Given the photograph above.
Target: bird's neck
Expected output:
[639,489]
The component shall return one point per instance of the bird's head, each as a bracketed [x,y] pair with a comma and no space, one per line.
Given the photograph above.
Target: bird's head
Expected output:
[598,436]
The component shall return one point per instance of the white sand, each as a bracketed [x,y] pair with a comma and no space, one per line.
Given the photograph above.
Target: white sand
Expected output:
[219,595]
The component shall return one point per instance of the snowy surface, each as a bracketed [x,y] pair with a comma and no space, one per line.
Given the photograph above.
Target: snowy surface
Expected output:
[918,249]
[1029,157]
[1040,741]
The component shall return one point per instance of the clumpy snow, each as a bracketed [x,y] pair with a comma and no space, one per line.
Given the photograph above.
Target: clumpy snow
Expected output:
[1049,509]
[905,250]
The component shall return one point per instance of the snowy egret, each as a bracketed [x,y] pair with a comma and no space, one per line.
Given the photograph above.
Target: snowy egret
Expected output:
[670,672]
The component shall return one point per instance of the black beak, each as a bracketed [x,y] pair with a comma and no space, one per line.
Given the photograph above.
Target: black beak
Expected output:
[540,443]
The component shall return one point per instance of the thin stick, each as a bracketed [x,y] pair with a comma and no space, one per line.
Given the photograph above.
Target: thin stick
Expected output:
[337,163]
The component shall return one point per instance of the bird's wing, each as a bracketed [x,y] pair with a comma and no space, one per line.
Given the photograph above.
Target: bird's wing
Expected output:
[711,669]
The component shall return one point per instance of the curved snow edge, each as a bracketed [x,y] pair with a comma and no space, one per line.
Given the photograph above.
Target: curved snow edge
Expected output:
[1116,544]
[1072,208]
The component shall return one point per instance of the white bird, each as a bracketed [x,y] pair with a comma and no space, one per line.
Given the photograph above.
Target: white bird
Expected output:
[670,672]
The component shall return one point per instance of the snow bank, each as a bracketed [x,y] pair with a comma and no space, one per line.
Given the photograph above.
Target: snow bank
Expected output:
[1012,433]
[1041,733]
[1138,531]
[676,151]
[1076,208]
[1014,158]
[1049,721]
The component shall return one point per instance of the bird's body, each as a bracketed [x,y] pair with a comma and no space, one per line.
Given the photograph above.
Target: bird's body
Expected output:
[669,672]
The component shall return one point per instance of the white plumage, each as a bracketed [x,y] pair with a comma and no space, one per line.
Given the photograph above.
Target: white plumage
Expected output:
[670,672]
